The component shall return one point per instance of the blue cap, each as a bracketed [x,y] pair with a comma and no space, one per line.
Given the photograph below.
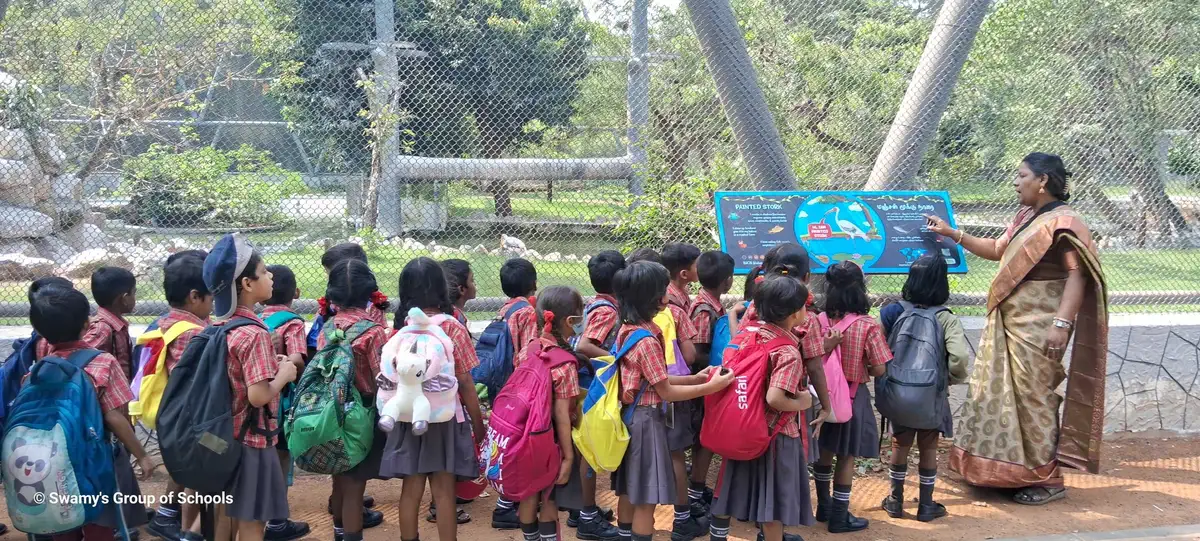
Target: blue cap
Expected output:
[225,262]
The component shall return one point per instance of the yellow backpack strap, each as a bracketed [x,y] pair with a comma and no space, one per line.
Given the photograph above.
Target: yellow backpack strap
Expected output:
[149,336]
[666,323]
[174,332]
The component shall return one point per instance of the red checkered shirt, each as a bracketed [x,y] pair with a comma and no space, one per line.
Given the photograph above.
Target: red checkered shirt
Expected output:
[368,348]
[602,321]
[252,360]
[680,304]
[812,344]
[112,389]
[375,314]
[109,333]
[702,320]
[565,377]
[522,326]
[863,345]
[43,348]
[646,361]
[787,372]
[291,337]
[464,348]
[175,350]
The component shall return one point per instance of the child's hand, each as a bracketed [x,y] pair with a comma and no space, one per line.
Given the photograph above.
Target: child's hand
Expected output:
[564,472]
[818,421]
[286,371]
[832,339]
[707,372]
[722,378]
[147,465]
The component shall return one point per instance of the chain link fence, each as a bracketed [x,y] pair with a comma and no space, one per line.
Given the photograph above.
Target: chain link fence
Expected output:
[133,129]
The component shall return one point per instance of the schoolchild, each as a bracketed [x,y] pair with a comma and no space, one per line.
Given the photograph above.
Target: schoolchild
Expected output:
[461,281]
[864,351]
[927,286]
[43,347]
[447,452]
[715,272]
[646,477]
[772,490]
[238,279]
[115,291]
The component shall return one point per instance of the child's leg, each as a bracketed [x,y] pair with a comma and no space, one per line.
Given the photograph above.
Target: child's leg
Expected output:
[840,518]
[927,442]
[336,505]
[625,517]
[772,531]
[527,512]
[685,524]
[701,462]
[351,492]
[548,519]
[823,479]
[901,444]
[718,529]
[410,506]
[250,530]
[442,485]
[224,528]
[643,522]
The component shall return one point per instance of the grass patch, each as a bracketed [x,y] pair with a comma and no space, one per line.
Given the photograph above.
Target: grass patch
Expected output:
[592,204]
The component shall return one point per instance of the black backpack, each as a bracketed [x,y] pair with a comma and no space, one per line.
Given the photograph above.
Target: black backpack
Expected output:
[913,392]
[195,419]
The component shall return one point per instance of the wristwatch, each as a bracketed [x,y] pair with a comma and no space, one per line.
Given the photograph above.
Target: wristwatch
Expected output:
[1062,323]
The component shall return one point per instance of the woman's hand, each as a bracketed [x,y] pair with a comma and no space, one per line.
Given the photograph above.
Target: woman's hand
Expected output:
[938,225]
[1056,343]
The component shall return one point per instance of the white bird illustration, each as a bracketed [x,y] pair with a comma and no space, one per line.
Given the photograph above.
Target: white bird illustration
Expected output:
[511,246]
[849,228]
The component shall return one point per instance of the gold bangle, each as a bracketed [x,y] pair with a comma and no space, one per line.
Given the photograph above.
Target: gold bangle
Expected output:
[960,237]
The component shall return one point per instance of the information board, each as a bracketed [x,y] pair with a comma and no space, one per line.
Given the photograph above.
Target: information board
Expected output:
[884,232]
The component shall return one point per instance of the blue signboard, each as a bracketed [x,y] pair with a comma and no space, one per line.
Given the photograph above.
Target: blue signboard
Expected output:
[884,232]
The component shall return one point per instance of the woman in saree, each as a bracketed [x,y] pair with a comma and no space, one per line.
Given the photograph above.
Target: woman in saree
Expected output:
[1049,287]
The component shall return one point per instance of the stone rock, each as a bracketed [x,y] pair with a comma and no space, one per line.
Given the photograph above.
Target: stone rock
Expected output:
[1139,377]
[84,263]
[481,249]
[1191,417]
[97,219]
[55,248]
[571,258]
[1114,408]
[1171,400]
[1180,360]
[17,222]
[552,257]
[18,173]
[22,247]
[531,254]
[412,244]
[174,245]
[67,187]
[494,252]
[1118,340]
[1148,345]
[1142,411]
[586,258]
[84,236]
[18,267]
[14,145]
[146,262]
[465,248]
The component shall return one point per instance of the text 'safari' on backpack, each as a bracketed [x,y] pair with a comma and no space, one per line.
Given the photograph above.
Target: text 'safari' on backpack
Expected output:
[496,351]
[912,392]
[200,446]
[735,418]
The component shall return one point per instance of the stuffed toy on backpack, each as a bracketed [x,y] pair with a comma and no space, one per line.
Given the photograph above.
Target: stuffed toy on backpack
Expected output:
[416,380]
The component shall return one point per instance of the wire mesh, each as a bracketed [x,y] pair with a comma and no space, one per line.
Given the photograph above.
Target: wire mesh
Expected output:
[131,130]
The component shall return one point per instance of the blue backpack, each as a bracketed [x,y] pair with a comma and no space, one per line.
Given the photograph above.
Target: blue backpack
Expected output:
[58,459]
[496,351]
[14,368]
[587,371]
[722,335]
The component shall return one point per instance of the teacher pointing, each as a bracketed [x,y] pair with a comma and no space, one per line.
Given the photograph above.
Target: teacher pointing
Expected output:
[1049,287]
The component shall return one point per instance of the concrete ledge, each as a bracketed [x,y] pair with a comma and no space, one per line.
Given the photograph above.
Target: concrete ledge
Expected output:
[1165,533]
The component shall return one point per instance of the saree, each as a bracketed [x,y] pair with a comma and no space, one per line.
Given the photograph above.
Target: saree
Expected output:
[1011,434]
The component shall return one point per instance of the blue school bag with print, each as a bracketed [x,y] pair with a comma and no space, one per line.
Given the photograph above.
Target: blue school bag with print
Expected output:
[496,351]
[57,456]
[722,335]
[14,368]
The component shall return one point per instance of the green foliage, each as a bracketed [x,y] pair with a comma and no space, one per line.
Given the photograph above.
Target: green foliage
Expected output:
[207,187]
[22,106]
[671,212]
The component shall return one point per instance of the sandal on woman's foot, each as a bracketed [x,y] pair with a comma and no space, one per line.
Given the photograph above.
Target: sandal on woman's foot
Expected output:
[1039,495]
[463,516]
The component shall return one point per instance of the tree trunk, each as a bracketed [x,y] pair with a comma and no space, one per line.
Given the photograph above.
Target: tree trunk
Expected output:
[370,212]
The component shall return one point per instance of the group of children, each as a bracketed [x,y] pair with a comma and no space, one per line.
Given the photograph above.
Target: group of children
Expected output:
[667,410]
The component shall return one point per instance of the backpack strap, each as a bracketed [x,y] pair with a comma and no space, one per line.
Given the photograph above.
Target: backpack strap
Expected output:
[620,353]
[83,357]
[278,319]
[516,307]
[252,416]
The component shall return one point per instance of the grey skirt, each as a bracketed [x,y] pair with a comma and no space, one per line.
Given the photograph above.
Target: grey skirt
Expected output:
[368,469]
[770,488]
[683,434]
[259,489]
[127,485]
[570,495]
[444,447]
[646,475]
[857,437]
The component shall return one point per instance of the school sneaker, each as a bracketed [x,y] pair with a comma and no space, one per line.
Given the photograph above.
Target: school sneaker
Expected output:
[688,530]
[699,508]
[786,536]
[597,529]
[371,518]
[605,513]
[842,521]
[165,528]
[930,512]
[290,530]
[708,498]
[894,507]
[505,519]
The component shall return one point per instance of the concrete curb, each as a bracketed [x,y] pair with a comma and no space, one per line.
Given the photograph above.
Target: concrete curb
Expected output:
[1164,533]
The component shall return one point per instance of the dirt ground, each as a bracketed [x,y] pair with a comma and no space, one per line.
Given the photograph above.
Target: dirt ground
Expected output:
[1145,482]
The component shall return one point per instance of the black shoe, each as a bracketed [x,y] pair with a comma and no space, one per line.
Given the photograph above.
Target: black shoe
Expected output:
[786,537]
[150,514]
[457,500]
[930,512]
[688,530]
[572,519]
[708,498]
[506,519]
[133,534]
[290,530]
[841,521]
[371,518]
[3,529]
[606,514]
[368,503]
[822,514]
[893,506]
[597,530]
[165,528]
[191,536]
[699,508]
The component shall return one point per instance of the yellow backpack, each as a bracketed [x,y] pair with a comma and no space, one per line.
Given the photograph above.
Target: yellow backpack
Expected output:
[602,435]
[676,364]
[151,378]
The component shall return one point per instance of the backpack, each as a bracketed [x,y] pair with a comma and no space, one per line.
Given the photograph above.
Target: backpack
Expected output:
[520,456]
[151,377]
[496,351]
[735,418]
[422,337]
[676,364]
[331,428]
[588,372]
[912,393]
[200,446]
[55,442]
[274,322]
[841,392]
[721,333]
[603,434]
[15,367]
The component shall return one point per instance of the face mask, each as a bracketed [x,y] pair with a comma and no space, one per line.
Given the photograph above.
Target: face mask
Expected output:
[577,328]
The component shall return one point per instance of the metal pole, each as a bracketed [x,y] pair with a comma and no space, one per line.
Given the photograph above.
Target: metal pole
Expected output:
[928,94]
[638,92]
[387,81]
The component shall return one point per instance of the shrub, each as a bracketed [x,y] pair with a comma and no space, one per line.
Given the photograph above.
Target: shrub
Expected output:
[207,187]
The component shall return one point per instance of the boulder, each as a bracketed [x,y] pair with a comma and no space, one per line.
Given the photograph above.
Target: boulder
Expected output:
[55,248]
[84,236]
[85,263]
[481,249]
[14,145]
[24,247]
[17,173]
[552,257]
[18,267]
[17,222]
[571,258]
[97,219]
[531,254]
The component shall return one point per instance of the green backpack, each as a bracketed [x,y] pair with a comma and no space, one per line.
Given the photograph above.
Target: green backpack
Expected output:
[330,428]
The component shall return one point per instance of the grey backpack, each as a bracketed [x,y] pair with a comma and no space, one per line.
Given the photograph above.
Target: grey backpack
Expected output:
[913,392]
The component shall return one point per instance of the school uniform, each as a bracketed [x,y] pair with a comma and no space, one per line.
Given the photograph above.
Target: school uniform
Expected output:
[702,322]
[112,390]
[522,325]
[683,432]
[444,447]
[863,345]
[564,382]
[287,339]
[177,347]
[367,350]
[603,322]
[645,475]
[109,333]
[957,358]
[774,486]
[259,489]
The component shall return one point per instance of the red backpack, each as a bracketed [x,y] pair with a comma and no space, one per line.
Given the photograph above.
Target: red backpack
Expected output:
[735,418]
[521,456]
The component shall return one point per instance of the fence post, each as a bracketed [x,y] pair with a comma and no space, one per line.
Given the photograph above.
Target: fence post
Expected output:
[638,92]
[387,69]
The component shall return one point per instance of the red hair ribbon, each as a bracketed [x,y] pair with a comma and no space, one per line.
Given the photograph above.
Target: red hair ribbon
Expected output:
[379,299]
[323,307]
[811,300]
[759,280]
[548,317]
